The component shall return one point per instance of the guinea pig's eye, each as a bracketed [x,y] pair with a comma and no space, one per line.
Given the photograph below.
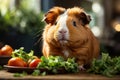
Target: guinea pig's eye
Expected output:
[74,23]
[55,23]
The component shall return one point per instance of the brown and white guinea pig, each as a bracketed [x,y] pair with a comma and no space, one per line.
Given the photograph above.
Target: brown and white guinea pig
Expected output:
[67,34]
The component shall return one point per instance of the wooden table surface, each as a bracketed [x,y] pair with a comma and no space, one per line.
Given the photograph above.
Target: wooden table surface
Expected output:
[4,75]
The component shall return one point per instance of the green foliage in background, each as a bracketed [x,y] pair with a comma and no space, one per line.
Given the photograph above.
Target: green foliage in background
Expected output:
[21,19]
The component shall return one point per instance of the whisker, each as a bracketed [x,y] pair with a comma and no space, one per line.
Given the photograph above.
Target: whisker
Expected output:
[38,35]
[38,41]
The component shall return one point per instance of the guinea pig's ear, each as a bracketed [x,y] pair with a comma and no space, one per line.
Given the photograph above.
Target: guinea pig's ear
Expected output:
[52,14]
[50,17]
[85,18]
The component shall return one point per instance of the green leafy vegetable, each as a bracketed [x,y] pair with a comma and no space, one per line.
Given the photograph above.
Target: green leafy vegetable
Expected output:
[22,54]
[43,73]
[106,65]
[20,74]
[54,63]
[36,72]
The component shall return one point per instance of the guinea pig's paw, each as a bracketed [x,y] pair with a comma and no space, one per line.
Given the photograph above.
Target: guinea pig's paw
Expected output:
[81,68]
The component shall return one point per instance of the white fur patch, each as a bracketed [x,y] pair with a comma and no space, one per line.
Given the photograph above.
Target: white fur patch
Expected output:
[63,26]
[66,53]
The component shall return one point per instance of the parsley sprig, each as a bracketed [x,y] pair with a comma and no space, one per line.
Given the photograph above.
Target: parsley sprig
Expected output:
[106,66]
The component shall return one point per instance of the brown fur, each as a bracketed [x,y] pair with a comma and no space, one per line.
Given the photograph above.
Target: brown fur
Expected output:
[82,44]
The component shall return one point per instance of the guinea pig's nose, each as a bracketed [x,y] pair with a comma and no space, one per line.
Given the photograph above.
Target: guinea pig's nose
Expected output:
[62,31]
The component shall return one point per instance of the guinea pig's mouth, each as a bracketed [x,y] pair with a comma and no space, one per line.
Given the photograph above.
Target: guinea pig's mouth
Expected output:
[63,40]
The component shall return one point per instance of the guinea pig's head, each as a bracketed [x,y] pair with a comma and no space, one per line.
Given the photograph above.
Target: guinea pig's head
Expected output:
[67,25]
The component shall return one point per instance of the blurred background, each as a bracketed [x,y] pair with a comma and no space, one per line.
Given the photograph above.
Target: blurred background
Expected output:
[21,25]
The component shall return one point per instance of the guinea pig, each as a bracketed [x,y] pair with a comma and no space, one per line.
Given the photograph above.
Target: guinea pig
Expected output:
[67,34]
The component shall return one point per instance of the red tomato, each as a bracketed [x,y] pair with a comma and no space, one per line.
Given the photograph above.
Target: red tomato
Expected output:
[6,50]
[16,61]
[34,57]
[34,63]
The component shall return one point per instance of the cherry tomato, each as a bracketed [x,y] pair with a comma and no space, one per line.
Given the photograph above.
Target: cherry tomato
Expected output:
[16,61]
[34,63]
[6,50]
[34,57]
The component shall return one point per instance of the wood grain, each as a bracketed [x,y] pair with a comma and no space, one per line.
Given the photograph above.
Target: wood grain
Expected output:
[4,75]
